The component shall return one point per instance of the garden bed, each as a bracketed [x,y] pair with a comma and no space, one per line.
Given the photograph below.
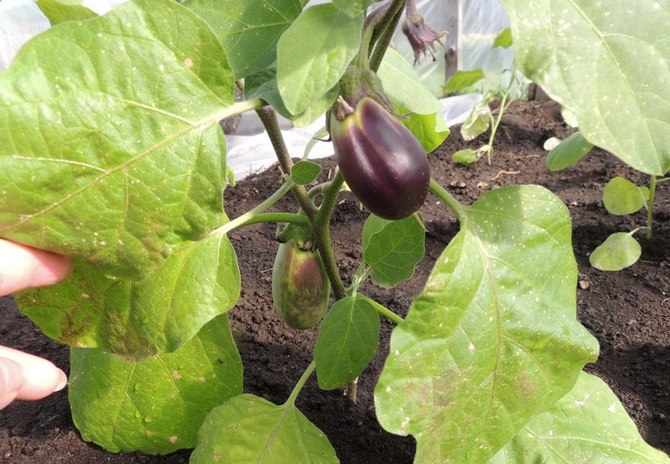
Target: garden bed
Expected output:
[628,311]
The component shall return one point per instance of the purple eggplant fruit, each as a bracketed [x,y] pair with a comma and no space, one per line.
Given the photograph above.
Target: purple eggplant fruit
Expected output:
[383,163]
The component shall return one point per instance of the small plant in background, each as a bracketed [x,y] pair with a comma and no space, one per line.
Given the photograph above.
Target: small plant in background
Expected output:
[621,197]
[488,113]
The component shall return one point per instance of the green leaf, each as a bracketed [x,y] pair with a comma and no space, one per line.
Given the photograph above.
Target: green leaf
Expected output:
[465,156]
[586,424]
[392,249]
[140,318]
[59,11]
[619,251]
[248,29]
[462,80]
[493,339]
[313,54]
[623,105]
[250,429]
[477,122]
[155,406]
[264,85]
[568,152]
[404,87]
[503,39]
[112,147]
[622,197]
[409,95]
[305,171]
[347,342]
[353,7]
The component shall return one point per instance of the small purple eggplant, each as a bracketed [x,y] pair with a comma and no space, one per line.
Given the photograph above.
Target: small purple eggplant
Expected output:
[383,163]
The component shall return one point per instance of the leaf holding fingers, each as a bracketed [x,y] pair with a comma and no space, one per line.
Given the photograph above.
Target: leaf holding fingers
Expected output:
[113,150]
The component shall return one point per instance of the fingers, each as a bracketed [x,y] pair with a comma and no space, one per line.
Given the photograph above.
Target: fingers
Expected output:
[23,267]
[27,377]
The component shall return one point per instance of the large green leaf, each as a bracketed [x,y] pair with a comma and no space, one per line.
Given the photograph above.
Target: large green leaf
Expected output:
[248,29]
[392,249]
[313,54]
[607,62]
[155,406]
[249,429]
[493,339]
[111,145]
[347,342]
[138,319]
[589,424]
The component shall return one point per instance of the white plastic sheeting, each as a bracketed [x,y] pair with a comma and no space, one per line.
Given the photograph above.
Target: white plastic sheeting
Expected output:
[249,150]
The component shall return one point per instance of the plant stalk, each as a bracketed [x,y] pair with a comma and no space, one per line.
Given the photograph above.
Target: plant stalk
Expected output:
[269,119]
[650,207]
[449,200]
[384,311]
[321,233]
[301,383]
[383,33]
[250,216]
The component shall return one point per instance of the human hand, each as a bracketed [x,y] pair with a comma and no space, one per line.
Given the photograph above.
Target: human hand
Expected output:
[24,376]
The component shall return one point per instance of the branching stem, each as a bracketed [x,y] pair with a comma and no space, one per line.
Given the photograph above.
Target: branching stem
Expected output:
[269,119]
[250,216]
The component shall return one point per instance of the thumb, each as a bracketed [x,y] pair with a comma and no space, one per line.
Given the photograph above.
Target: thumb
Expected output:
[11,381]
[27,377]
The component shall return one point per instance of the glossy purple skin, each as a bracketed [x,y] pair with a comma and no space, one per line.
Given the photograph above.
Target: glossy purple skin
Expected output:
[382,162]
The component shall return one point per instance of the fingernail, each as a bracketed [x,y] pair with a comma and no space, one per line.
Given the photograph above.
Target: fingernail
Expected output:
[62,381]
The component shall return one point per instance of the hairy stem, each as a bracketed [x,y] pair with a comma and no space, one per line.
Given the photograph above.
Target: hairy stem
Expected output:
[269,119]
[383,32]
[301,383]
[321,233]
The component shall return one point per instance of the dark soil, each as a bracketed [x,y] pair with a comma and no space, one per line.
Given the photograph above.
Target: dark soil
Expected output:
[628,311]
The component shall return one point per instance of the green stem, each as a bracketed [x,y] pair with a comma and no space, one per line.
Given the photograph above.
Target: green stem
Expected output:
[286,218]
[244,219]
[650,206]
[269,119]
[662,179]
[239,108]
[321,234]
[301,383]
[496,124]
[449,200]
[382,37]
[384,311]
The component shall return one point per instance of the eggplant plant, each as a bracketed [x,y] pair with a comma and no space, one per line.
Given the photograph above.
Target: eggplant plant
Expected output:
[113,155]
